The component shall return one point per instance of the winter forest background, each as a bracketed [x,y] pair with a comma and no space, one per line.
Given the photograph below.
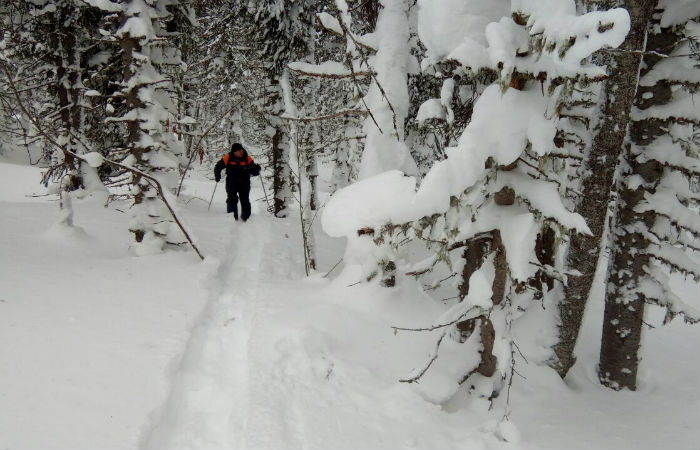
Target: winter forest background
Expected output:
[476,225]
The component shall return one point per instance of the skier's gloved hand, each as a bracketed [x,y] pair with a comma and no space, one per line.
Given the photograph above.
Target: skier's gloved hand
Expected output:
[217,179]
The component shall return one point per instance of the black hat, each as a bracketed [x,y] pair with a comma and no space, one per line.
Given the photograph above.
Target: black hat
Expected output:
[236,147]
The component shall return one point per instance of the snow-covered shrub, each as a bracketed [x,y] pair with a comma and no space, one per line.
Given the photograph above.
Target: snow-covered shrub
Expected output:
[152,145]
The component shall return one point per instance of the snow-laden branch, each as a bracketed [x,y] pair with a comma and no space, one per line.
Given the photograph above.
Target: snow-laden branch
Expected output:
[327,69]
[332,24]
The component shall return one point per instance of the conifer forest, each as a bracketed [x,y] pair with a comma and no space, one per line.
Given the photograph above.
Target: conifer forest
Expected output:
[464,224]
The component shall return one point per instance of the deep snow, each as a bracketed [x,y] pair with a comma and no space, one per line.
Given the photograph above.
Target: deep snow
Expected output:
[102,349]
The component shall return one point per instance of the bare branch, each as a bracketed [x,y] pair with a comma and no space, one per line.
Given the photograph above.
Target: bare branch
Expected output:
[430,363]
[436,327]
[337,76]
[335,115]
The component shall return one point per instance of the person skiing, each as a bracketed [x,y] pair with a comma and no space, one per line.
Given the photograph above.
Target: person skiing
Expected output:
[239,168]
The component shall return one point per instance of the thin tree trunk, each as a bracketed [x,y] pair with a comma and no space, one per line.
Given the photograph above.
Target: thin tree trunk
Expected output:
[311,206]
[584,251]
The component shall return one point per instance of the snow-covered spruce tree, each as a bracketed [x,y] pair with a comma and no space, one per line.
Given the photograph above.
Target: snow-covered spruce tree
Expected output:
[221,81]
[60,63]
[339,83]
[183,27]
[58,85]
[30,65]
[656,220]
[279,33]
[326,86]
[69,35]
[494,210]
[387,104]
[598,180]
[102,72]
[442,88]
[152,148]
[348,150]
[16,53]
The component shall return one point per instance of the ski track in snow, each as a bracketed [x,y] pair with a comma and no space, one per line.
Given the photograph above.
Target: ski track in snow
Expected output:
[208,405]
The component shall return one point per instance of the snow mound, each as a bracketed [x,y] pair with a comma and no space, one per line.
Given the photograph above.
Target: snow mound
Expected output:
[367,203]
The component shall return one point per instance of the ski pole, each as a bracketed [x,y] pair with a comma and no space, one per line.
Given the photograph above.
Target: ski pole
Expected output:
[269,208]
[212,196]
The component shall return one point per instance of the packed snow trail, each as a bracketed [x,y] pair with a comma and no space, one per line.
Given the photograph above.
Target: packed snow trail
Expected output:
[210,389]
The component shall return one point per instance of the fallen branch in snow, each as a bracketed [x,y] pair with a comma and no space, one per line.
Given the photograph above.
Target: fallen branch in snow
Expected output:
[38,195]
[195,198]
[150,178]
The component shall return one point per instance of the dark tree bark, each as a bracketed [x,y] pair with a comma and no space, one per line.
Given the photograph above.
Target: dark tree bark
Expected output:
[624,307]
[487,365]
[131,46]
[281,183]
[475,253]
[584,251]
[280,179]
[63,43]
[388,269]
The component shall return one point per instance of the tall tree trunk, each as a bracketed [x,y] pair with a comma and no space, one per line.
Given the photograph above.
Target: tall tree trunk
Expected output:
[624,307]
[63,41]
[280,173]
[281,191]
[602,162]
[131,46]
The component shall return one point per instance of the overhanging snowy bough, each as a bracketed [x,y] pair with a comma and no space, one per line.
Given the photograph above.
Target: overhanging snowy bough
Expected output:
[492,220]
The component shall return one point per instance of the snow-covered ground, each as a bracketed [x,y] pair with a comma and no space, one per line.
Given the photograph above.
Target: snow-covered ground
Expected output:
[101,349]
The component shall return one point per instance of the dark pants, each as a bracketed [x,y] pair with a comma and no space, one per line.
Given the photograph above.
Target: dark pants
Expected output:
[236,192]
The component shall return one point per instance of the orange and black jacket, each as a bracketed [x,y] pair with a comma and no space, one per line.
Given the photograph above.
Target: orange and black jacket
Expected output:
[238,170]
